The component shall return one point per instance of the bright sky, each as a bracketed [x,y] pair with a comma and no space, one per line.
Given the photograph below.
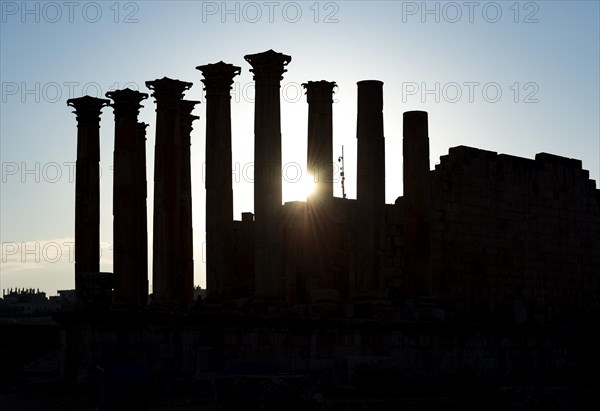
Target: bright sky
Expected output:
[512,77]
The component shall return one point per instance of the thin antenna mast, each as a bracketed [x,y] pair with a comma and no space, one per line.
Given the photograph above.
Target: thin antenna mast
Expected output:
[341,159]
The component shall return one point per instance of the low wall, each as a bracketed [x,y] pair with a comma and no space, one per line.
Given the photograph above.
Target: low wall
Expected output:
[354,352]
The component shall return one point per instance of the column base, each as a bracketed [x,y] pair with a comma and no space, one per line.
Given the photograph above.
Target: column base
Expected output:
[94,291]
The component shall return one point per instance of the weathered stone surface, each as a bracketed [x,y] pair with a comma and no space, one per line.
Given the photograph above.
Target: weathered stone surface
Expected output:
[367,269]
[218,79]
[87,186]
[129,201]
[268,68]
[166,261]
[185,278]
[508,235]
[417,221]
[319,238]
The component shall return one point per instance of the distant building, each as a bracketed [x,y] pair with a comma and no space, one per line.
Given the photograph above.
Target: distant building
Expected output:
[31,302]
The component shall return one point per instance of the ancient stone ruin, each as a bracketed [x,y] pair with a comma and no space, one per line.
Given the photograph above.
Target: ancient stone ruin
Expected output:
[482,256]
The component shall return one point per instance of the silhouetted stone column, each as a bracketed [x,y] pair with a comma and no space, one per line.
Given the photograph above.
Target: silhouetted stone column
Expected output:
[185,288]
[87,186]
[142,197]
[368,274]
[127,207]
[319,95]
[218,79]
[268,68]
[417,226]
[166,262]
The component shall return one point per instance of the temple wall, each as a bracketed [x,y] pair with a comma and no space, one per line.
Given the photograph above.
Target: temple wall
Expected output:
[515,232]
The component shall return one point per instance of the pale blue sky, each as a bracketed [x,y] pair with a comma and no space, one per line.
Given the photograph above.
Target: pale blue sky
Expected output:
[543,57]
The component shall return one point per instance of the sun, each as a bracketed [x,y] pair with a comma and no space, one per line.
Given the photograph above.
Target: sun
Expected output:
[307,187]
[301,189]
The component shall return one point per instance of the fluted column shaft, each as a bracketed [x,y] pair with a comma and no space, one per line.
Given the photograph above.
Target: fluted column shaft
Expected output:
[127,190]
[268,69]
[167,191]
[368,282]
[185,286]
[218,79]
[319,95]
[87,185]
[417,226]
[142,199]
